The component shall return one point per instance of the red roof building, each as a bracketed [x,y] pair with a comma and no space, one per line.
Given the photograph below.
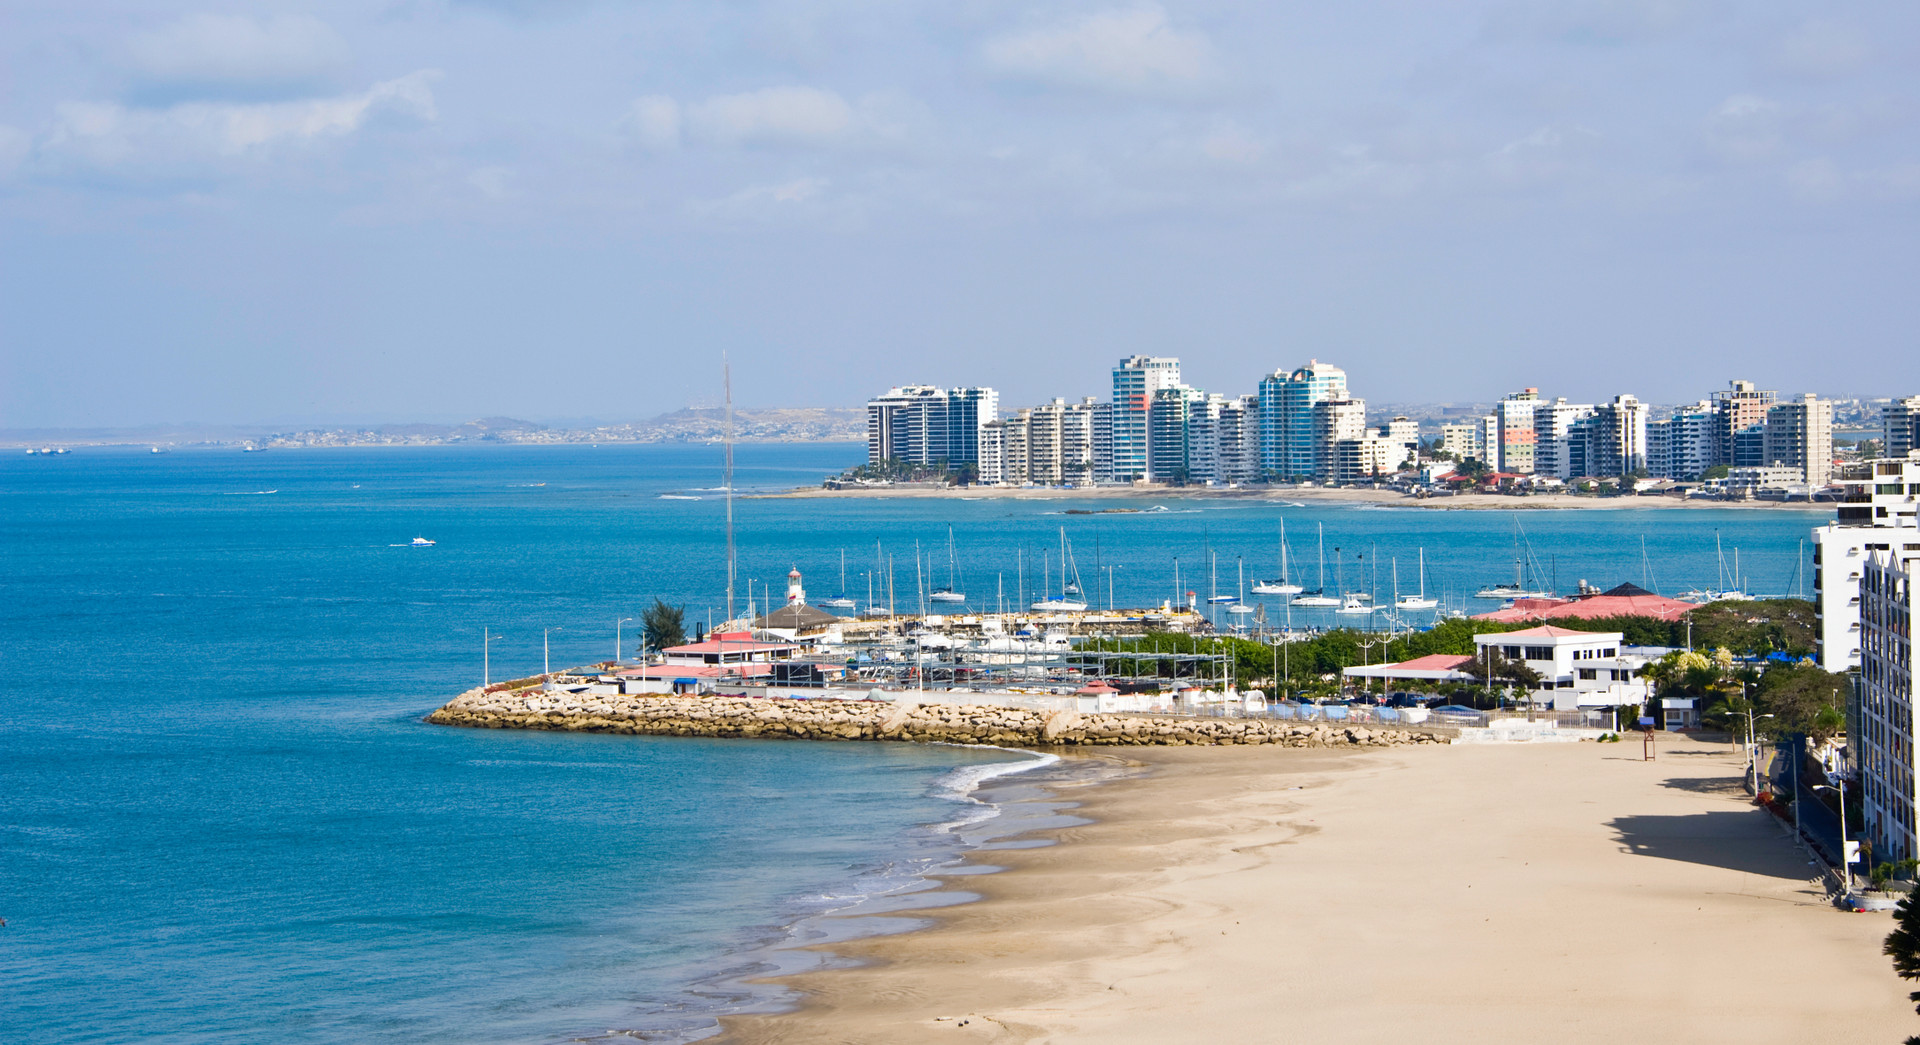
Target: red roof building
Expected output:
[1627,600]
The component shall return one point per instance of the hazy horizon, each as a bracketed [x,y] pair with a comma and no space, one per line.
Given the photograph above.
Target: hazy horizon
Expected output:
[424,210]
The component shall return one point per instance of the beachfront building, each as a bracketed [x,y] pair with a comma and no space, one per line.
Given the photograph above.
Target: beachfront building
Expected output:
[1617,438]
[1876,515]
[1100,425]
[1515,446]
[1740,417]
[1682,446]
[1553,431]
[1135,381]
[1369,457]
[1900,427]
[1578,669]
[1237,440]
[1799,434]
[922,424]
[1290,435]
[1182,443]
[1335,421]
[1048,445]
[722,659]
[1883,742]
[1464,441]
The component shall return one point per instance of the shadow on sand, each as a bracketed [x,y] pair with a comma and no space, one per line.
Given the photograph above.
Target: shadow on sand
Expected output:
[1739,840]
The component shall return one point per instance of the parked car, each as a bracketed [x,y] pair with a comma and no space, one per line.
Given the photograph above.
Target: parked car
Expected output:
[1455,709]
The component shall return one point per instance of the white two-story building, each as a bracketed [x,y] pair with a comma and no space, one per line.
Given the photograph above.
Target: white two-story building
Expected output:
[1578,669]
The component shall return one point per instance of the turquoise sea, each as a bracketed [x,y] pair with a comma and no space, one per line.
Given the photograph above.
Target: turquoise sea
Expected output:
[221,818]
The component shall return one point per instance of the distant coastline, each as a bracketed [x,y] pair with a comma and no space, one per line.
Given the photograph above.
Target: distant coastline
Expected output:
[1305,495]
[690,426]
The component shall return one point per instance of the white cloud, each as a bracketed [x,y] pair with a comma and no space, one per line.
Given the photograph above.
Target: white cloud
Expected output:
[778,115]
[14,146]
[109,134]
[763,201]
[1746,127]
[809,117]
[1134,50]
[235,52]
[655,120]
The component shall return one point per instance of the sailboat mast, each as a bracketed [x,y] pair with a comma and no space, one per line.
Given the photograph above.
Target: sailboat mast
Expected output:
[726,380]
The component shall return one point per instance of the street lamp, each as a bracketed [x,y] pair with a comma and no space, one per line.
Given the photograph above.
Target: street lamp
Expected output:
[616,637]
[546,651]
[487,639]
[1846,847]
[1753,753]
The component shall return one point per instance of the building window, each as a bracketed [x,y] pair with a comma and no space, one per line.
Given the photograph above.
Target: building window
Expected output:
[1539,652]
[1589,674]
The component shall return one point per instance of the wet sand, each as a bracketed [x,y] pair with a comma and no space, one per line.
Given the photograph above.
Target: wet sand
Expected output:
[1565,892]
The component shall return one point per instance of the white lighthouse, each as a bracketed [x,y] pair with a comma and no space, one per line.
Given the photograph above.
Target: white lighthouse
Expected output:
[796,595]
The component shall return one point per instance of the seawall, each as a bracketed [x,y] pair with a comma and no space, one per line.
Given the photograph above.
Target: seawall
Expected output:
[717,716]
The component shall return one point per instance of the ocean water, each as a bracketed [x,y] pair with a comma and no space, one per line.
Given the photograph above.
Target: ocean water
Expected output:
[222,820]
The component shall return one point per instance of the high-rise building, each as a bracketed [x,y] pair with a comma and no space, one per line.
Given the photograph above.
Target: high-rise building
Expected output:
[1876,514]
[1900,427]
[1180,436]
[1102,426]
[922,424]
[1739,412]
[1516,431]
[1135,381]
[1799,434]
[1335,421]
[1238,440]
[1617,442]
[1883,742]
[1288,432]
[1049,444]
[1682,446]
[1404,431]
[1552,424]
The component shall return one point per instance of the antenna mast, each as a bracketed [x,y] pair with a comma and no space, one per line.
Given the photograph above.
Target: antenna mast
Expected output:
[726,377]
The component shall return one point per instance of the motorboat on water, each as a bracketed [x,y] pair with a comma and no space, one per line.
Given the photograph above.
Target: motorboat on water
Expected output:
[420,542]
[1354,604]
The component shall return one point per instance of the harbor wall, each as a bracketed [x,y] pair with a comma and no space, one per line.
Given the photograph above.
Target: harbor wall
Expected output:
[904,720]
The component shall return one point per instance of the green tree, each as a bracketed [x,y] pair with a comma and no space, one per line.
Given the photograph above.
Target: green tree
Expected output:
[663,625]
[1903,946]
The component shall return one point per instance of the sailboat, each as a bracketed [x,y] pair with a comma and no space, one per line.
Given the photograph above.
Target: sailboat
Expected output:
[1318,596]
[840,601]
[1415,602]
[1518,589]
[1727,592]
[951,592]
[1069,600]
[1241,605]
[1213,582]
[1283,586]
[1350,602]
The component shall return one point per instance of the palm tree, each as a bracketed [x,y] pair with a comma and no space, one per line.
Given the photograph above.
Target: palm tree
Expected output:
[1903,946]
[663,625]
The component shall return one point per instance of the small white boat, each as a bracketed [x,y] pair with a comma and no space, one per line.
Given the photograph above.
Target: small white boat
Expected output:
[1354,604]
[1285,585]
[944,595]
[1420,601]
[840,601]
[1315,598]
[420,542]
[155,450]
[949,593]
[1060,605]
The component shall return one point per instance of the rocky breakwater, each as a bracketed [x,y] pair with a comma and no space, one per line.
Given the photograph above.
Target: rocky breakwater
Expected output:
[712,716]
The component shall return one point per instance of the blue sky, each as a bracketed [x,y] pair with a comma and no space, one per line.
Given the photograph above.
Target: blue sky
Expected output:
[432,210]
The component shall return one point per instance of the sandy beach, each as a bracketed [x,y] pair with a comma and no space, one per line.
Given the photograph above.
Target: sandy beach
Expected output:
[1566,892]
[1149,495]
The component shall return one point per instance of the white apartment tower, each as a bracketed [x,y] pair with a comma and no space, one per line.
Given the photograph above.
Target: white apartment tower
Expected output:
[1799,434]
[922,424]
[1135,381]
[1883,751]
[1515,446]
[1876,515]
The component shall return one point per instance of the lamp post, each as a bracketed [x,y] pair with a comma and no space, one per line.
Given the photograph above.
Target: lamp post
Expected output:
[546,651]
[1846,856]
[1753,752]
[487,639]
[616,637]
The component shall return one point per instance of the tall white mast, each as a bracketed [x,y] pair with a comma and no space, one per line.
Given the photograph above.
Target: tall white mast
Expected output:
[726,370]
